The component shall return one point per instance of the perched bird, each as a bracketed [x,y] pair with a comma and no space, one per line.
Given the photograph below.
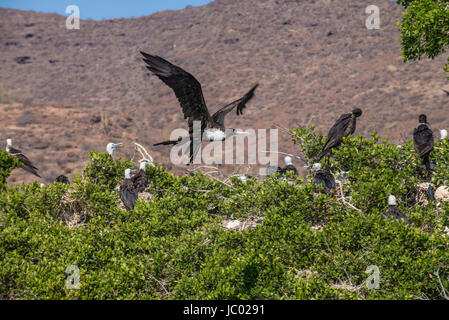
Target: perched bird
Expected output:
[423,141]
[27,164]
[289,167]
[140,178]
[62,179]
[394,212]
[443,134]
[111,147]
[189,93]
[323,177]
[344,126]
[128,192]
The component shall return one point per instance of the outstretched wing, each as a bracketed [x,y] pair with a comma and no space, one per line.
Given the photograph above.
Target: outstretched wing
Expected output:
[187,89]
[219,116]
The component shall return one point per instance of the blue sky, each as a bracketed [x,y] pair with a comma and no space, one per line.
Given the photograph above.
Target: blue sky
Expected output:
[102,9]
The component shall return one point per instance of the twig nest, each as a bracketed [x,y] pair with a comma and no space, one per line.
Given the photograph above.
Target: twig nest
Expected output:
[446,232]
[305,274]
[238,225]
[346,286]
[319,227]
[442,194]
[74,212]
[145,196]
[232,224]
[422,193]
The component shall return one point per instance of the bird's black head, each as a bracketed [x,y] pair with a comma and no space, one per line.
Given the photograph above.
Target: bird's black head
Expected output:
[62,179]
[357,112]
[422,118]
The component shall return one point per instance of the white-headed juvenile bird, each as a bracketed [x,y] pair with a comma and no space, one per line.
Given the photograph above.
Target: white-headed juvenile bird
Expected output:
[27,164]
[394,212]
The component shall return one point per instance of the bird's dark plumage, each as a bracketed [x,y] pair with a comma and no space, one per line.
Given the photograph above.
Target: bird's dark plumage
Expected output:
[289,168]
[187,89]
[396,213]
[344,126]
[128,194]
[219,116]
[140,180]
[423,141]
[62,179]
[447,92]
[190,96]
[326,179]
[27,164]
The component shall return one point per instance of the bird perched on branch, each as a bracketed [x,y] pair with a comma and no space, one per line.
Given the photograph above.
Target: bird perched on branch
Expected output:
[111,147]
[423,141]
[394,212]
[128,192]
[190,95]
[289,167]
[27,164]
[344,126]
[140,179]
[323,177]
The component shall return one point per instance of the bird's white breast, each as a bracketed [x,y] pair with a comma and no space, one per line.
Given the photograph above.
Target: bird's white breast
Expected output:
[215,135]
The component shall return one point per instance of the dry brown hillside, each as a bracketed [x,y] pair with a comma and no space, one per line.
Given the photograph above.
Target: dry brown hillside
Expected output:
[65,92]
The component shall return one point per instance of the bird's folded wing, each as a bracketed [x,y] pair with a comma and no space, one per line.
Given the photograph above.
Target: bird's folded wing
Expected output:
[336,132]
[187,89]
[423,139]
[27,163]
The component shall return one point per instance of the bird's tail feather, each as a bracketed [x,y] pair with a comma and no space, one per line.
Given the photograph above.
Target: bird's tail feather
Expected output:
[166,143]
[32,170]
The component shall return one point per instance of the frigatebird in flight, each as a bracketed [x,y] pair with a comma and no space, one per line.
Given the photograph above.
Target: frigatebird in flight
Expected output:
[344,126]
[190,96]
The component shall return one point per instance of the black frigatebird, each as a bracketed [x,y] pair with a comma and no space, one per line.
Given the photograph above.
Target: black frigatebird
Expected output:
[190,96]
[344,126]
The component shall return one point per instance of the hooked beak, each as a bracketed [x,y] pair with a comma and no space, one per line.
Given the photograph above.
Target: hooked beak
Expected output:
[117,145]
[241,133]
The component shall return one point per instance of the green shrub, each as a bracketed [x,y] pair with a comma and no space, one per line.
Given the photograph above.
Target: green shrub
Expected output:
[7,164]
[173,245]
